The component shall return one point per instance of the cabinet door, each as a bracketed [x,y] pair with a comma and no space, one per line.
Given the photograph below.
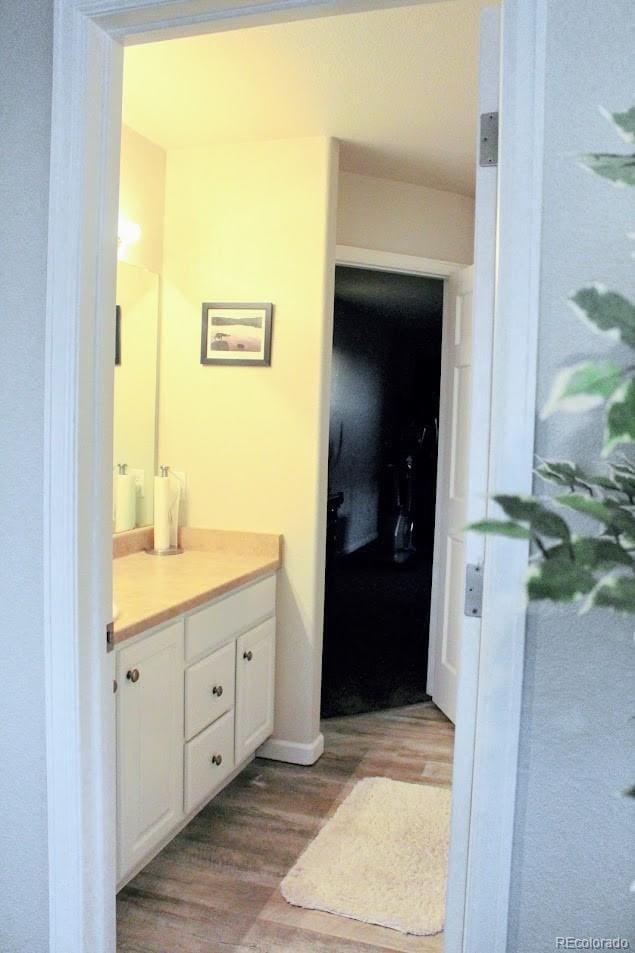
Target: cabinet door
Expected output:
[255,664]
[149,743]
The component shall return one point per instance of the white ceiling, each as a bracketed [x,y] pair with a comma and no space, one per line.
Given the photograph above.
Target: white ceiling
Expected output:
[396,86]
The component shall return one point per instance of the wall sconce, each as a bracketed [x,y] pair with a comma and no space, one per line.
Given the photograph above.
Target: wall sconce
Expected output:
[128,233]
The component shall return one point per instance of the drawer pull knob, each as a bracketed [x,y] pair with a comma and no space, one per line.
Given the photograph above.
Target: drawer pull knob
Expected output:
[133,675]
[217,759]
[248,655]
[217,690]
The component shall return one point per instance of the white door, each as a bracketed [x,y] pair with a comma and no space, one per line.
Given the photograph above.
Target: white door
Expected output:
[255,662]
[464,415]
[452,488]
[149,743]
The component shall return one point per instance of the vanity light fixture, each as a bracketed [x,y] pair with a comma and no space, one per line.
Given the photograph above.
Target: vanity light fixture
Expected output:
[128,233]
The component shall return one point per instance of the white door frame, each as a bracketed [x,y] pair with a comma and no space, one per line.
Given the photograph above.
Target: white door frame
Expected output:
[85,125]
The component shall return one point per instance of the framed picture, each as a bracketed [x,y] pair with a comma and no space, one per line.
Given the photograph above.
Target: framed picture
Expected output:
[236,334]
[117,335]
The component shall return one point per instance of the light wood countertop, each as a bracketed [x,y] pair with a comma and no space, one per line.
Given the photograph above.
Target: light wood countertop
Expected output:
[149,590]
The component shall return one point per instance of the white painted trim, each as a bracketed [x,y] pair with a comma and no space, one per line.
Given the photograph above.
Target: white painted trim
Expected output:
[85,124]
[501,658]
[275,749]
[391,261]
[472,632]
[86,103]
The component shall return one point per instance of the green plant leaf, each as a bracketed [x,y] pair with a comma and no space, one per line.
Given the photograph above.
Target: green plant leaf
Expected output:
[626,468]
[606,311]
[583,387]
[616,168]
[624,479]
[559,580]
[568,474]
[620,418]
[616,592]
[592,552]
[625,123]
[528,510]
[559,471]
[616,518]
[501,528]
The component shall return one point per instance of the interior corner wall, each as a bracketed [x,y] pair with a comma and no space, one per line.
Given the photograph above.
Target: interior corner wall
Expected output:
[26,69]
[141,198]
[255,222]
[408,219]
[571,865]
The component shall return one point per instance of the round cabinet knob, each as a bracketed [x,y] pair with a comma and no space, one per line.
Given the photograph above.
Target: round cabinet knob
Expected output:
[133,675]
[217,690]
[217,759]
[248,656]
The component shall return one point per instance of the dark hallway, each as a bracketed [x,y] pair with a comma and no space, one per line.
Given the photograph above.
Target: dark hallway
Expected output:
[382,482]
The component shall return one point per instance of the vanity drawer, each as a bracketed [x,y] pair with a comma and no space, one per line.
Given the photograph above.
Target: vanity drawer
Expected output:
[229,616]
[203,772]
[209,689]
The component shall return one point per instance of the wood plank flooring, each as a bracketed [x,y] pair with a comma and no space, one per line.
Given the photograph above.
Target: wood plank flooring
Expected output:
[215,887]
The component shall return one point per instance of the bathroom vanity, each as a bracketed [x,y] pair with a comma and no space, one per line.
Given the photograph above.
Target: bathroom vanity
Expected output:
[195,659]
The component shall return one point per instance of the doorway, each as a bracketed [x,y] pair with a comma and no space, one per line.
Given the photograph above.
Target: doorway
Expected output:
[88,56]
[384,419]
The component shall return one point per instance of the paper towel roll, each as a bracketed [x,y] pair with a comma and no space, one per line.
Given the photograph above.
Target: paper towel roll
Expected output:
[162,499]
[175,499]
[125,502]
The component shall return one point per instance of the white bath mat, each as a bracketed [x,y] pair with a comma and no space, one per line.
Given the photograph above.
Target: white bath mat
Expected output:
[382,858]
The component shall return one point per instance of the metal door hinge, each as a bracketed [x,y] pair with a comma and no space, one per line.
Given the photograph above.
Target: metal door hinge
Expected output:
[488,152]
[473,591]
[110,636]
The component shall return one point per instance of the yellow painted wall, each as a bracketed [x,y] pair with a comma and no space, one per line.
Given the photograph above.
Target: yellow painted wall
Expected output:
[256,222]
[401,217]
[141,197]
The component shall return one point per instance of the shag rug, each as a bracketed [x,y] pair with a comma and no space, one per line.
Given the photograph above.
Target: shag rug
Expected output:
[381,858]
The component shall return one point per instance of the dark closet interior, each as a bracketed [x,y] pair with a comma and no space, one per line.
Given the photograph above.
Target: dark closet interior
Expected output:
[382,480]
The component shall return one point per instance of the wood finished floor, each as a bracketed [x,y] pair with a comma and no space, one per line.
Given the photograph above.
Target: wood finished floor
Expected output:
[215,887]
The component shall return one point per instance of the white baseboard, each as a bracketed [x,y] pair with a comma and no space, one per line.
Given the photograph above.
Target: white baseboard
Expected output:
[292,751]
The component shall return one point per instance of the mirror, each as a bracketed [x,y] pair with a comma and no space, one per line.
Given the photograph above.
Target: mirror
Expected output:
[136,380]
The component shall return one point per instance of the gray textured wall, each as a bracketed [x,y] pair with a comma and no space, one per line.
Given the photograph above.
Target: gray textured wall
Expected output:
[572,866]
[25,94]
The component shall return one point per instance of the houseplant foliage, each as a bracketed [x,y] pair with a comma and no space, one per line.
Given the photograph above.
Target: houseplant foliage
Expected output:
[598,569]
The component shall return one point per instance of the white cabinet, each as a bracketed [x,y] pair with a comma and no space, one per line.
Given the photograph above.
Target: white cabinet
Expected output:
[209,759]
[149,743]
[194,701]
[255,670]
[209,689]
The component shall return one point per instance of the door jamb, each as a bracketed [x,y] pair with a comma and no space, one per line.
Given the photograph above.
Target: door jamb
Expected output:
[353,257]
[87,69]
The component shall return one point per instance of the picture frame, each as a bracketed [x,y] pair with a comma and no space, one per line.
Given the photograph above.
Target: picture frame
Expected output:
[235,333]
